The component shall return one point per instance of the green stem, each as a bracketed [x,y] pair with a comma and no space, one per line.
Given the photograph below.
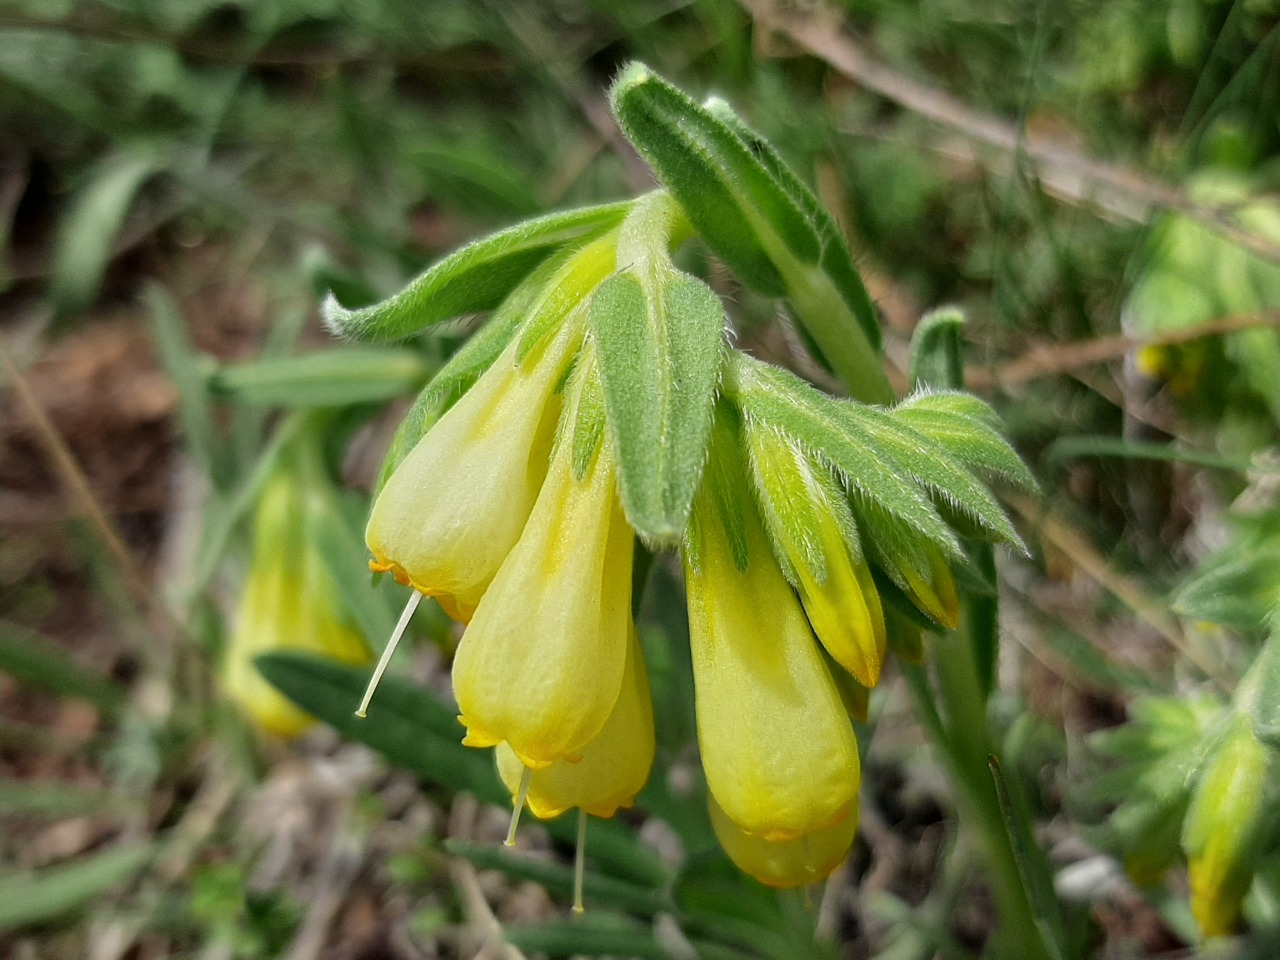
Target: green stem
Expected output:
[964,741]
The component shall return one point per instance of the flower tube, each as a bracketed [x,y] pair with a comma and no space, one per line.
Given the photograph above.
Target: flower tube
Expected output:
[777,746]
[453,509]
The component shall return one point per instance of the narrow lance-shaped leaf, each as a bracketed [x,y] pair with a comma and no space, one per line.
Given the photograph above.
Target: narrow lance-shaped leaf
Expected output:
[935,351]
[476,278]
[660,341]
[326,378]
[758,217]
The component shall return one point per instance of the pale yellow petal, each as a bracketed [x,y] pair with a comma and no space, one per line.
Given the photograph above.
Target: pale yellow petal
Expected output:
[614,766]
[452,511]
[541,663]
[777,746]
[797,862]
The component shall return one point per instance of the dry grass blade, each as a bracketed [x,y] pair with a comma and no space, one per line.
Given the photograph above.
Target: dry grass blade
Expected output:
[1071,171]
[1044,359]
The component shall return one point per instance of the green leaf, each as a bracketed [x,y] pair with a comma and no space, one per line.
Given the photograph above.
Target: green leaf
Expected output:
[327,378]
[1264,708]
[474,279]
[86,235]
[1069,448]
[31,898]
[788,403]
[190,372]
[930,464]
[758,217]
[968,430]
[32,660]
[660,341]
[406,724]
[935,351]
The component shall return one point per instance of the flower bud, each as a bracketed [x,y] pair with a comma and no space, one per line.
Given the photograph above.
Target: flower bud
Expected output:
[1223,826]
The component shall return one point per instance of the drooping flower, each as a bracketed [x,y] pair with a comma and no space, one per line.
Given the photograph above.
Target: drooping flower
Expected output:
[808,519]
[613,767]
[289,603]
[455,506]
[777,746]
[797,862]
[541,663]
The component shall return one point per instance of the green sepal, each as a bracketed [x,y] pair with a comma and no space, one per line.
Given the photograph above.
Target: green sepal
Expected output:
[588,414]
[968,430]
[891,545]
[474,279]
[935,351]
[724,485]
[1264,703]
[797,495]
[821,424]
[659,337]
[758,217]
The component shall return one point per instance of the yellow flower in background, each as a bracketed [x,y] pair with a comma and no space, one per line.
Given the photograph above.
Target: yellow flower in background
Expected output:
[613,768]
[1220,833]
[289,603]
[797,862]
[452,511]
[777,746]
[541,663]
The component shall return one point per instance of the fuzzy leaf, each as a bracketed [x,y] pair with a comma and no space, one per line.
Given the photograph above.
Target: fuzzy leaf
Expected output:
[818,422]
[757,216]
[930,464]
[971,439]
[660,339]
[326,378]
[476,278]
[935,351]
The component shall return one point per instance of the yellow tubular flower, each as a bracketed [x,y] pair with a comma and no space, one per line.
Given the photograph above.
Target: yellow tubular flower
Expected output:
[614,766]
[287,604]
[451,512]
[1220,833]
[541,663]
[936,594]
[811,526]
[777,746]
[786,863]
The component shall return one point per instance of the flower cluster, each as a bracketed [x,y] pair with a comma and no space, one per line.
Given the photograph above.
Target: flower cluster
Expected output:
[599,407]
[508,510]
